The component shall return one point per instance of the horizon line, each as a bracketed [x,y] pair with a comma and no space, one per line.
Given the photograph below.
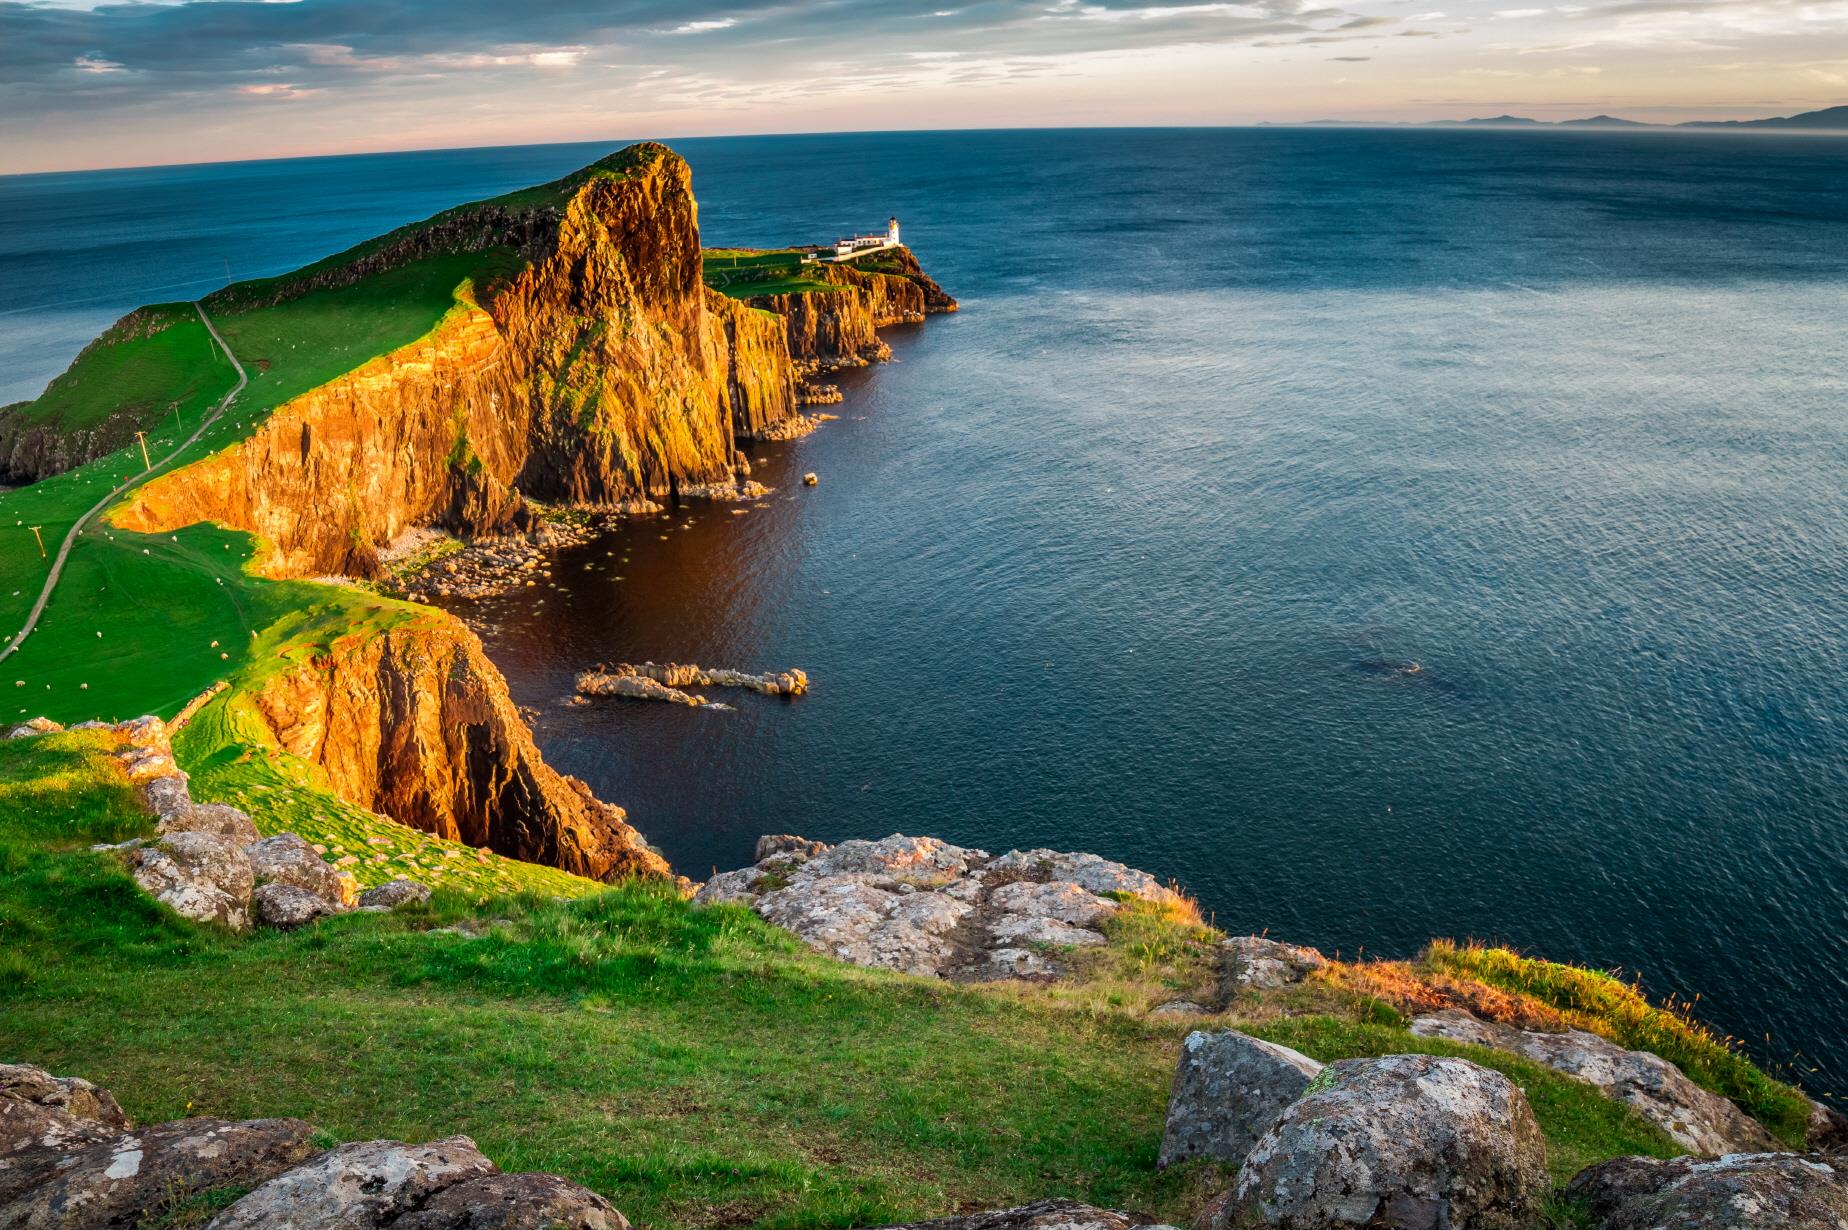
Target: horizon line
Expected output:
[1474,124]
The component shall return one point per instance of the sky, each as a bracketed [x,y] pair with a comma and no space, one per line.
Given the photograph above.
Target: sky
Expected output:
[85,84]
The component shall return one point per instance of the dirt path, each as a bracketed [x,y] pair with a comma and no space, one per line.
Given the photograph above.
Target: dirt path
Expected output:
[70,539]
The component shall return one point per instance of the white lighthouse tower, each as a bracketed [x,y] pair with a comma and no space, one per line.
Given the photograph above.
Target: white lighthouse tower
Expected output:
[892,233]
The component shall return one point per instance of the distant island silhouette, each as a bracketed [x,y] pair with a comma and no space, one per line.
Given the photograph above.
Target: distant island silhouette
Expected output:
[1829,119]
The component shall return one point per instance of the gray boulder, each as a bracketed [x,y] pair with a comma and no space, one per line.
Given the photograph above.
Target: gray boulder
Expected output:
[136,1176]
[515,1202]
[286,907]
[33,1102]
[34,726]
[1827,1129]
[219,819]
[1041,1215]
[1404,1142]
[287,859]
[362,1186]
[169,797]
[396,893]
[44,1118]
[1229,1088]
[1698,1120]
[1743,1191]
[198,875]
[1261,964]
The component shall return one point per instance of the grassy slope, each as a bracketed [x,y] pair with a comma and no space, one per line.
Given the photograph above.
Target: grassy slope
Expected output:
[160,601]
[744,273]
[697,1066]
[162,358]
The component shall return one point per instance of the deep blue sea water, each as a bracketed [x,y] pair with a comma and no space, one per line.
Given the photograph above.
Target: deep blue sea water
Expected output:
[1138,553]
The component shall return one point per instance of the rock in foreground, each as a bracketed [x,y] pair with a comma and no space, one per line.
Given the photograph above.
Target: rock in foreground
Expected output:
[70,1160]
[1041,1215]
[923,906]
[1694,1118]
[1229,1088]
[1404,1142]
[1749,1191]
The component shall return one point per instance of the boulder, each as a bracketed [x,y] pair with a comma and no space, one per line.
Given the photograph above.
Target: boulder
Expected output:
[1698,1120]
[390,896]
[515,1202]
[287,859]
[136,1176]
[1229,1088]
[218,819]
[1403,1142]
[1742,1191]
[1041,1215]
[362,1186]
[45,1117]
[198,875]
[1827,1129]
[1264,964]
[857,919]
[34,726]
[772,844]
[286,907]
[169,796]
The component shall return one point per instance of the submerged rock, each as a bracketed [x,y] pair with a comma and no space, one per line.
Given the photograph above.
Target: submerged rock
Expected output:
[924,906]
[1750,1191]
[1404,1142]
[1697,1119]
[1229,1088]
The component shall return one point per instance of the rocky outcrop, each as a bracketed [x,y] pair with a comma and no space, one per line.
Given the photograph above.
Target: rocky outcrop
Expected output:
[1753,1191]
[197,876]
[416,724]
[1041,1215]
[923,906]
[394,894]
[84,1166]
[668,682]
[1404,1142]
[1694,1118]
[1229,1088]
[1253,962]
[133,1177]
[835,328]
[602,370]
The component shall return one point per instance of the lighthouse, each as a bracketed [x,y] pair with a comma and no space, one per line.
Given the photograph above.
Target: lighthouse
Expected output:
[892,233]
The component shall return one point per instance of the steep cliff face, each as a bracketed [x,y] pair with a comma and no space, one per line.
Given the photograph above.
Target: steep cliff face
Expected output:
[839,327]
[601,370]
[416,724]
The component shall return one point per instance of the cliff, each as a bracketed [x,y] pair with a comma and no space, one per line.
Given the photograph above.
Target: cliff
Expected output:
[602,369]
[576,356]
[416,724]
[838,327]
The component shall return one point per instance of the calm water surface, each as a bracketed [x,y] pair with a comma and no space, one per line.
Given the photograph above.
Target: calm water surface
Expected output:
[1385,534]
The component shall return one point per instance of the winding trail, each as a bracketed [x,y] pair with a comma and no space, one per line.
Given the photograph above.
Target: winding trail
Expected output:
[70,539]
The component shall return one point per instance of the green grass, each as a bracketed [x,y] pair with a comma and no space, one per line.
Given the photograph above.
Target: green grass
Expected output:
[1581,1126]
[1622,1013]
[744,273]
[149,364]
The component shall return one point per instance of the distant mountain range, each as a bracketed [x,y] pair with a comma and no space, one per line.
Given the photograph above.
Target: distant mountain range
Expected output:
[1829,119]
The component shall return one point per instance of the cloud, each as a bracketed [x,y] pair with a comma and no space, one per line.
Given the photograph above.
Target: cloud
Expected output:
[701,27]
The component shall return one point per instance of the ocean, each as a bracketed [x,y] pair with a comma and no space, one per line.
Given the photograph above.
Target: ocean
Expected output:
[1384,534]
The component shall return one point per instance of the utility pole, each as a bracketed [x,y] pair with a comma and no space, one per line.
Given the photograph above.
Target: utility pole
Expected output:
[143,437]
[176,419]
[41,541]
